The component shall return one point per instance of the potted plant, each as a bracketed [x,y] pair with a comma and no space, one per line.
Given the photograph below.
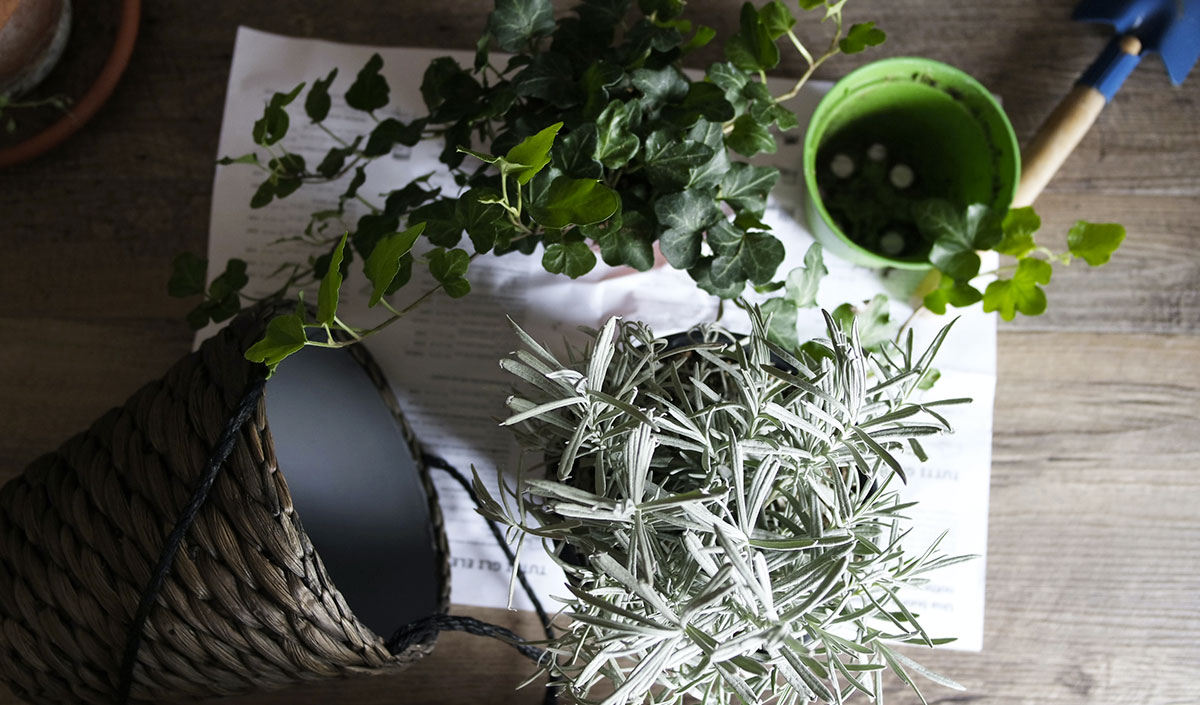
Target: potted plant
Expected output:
[726,513]
[53,79]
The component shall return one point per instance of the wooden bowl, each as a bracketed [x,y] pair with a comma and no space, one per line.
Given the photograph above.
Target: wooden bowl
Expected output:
[76,78]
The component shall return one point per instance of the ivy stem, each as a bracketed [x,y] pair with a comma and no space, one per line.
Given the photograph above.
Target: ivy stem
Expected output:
[329,132]
[800,47]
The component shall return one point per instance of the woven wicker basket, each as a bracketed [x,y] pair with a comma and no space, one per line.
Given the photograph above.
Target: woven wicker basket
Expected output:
[247,605]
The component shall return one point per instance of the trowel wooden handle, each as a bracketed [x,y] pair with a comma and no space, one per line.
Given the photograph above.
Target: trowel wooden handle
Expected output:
[1060,134]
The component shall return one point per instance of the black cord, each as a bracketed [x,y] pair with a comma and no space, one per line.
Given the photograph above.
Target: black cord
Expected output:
[440,463]
[166,557]
[421,629]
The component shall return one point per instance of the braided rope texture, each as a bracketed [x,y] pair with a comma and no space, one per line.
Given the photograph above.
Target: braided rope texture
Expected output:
[247,605]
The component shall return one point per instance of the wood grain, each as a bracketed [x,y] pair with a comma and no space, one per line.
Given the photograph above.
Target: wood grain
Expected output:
[1093,582]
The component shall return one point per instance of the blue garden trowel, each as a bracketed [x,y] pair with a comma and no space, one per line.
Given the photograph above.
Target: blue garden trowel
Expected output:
[1169,27]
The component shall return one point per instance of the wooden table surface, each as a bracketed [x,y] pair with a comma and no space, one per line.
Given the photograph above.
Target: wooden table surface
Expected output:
[1094,554]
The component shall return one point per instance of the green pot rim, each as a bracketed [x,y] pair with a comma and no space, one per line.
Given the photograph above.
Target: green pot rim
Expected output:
[829,102]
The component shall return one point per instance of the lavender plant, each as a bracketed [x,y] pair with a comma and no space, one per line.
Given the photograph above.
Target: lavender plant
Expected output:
[726,512]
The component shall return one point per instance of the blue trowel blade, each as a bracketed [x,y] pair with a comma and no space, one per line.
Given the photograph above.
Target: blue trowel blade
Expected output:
[1170,28]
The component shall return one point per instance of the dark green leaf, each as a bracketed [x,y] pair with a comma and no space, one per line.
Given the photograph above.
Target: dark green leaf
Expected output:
[616,142]
[1095,242]
[327,294]
[533,153]
[384,263]
[263,194]
[442,226]
[811,4]
[752,48]
[370,228]
[670,161]
[448,268]
[860,37]
[703,100]
[370,90]
[700,39]
[515,22]
[574,155]
[574,201]
[702,274]
[756,258]
[389,133]
[356,182]
[595,83]
[1019,226]
[284,336]
[659,86]
[549,78]
[745,187]
[480,215]
[188,275]
[273,125]
[317,103]
[730,79]
[749,138]
[1021,293]
[250,158]
[625,239]
[573,258]
[231,281]
[957,235]
[684,216]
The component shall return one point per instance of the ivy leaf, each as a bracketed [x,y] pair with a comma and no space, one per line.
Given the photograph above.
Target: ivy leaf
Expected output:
[665,85]
[389,133]
[273,125]
[188,276]
[930,378]
[1021,293]
[533,153]
[369,229]
[571,257]
[327,294]
[574,201]
[515,22]
[283,337]
[616,142]
[1095,242]
[574,155]
[860,37]
[595,83]
[703,100]
[745,187]
[811,4]
[1019,226]
[670,161]
[250,158]
[370,90]
[231,281]
[873,320]
[782,327]
[263,194]
[777,19]
[730,79]
[756,257]
[479,213]
[957,235]
[685,215]
[317,103]
[749,138]
[442,226]
[448,268]
[951,292]
[804,282]
[549,77]
[702,274]
[384,263]
[625,239]
[752,48]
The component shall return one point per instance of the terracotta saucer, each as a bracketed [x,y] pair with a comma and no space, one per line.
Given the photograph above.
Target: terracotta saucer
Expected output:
[97,53]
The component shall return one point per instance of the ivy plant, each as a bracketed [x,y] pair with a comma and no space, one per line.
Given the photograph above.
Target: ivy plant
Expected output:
[594,144]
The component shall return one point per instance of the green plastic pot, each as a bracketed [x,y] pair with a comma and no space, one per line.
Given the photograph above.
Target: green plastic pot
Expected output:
[952,132]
